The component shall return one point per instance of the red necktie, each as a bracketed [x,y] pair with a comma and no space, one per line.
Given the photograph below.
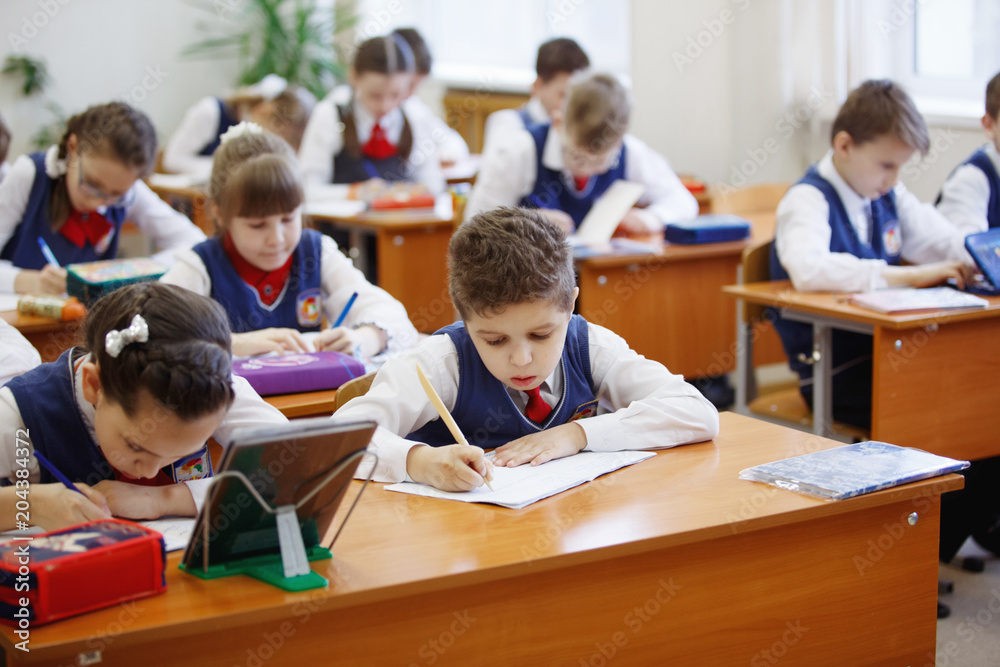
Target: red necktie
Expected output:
[581,182]
[537,410]
[378,147]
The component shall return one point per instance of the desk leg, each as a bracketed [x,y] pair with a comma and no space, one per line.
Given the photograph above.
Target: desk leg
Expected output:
[745,382]
[357,251]
[822,378]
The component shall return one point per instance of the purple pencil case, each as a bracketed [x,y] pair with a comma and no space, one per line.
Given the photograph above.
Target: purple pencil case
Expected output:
[296,373]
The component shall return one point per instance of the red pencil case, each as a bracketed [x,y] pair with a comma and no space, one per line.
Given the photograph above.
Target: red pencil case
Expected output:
[288,373]
[78,569]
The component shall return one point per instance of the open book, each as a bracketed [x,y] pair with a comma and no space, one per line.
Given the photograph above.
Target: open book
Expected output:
[911,300]
[851,470]
[526,484]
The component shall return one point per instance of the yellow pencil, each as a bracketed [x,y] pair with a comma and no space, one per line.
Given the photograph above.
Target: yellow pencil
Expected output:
[446,416]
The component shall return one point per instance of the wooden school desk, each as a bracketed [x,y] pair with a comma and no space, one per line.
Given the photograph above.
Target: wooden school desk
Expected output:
[305,404]
[673,560]
[185,198]
[411,254]
[934,374]
[669,305]
[50,337]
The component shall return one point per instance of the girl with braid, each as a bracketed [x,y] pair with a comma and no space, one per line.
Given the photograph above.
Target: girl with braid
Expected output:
[76,195]
[126,416]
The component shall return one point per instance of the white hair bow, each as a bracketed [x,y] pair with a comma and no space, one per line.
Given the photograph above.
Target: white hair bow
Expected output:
[116,339]
[244,127]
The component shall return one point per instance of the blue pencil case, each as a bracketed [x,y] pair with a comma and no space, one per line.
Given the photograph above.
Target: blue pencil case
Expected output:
[711,228]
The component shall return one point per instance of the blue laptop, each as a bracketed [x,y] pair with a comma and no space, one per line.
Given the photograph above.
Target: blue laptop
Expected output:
[985,250]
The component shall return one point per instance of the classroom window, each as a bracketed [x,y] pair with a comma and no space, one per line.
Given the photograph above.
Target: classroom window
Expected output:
[475,39]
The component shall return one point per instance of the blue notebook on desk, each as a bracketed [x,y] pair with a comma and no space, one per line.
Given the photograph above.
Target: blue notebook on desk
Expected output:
[852,470]
[985,250]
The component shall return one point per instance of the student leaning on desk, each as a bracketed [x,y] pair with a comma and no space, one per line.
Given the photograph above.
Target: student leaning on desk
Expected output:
[849,224]
[564,167]
[970,198]
[275,279]
[520,372]
[76,196]
[125,417]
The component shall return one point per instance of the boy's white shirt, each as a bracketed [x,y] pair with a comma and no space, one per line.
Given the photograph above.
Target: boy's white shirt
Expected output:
[802,236]
[197,129]
[501,123]
[965,196]
[324,138]
[339,281]
[655,408]
[167,228]
[17,355]
[508,174]
[248,410]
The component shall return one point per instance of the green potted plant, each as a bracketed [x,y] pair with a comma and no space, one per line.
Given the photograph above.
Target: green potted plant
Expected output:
[34,73]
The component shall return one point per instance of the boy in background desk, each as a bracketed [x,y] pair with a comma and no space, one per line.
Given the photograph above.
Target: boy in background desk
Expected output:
[558,60]
[520,372]
[848,225]
[970,198]
[563,167]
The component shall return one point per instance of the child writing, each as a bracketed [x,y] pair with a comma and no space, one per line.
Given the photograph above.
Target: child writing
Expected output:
[271,103]
[149,386]
[557,61]
[76,195]
[970,198]
[360,132]
[450,145]
[847,225]
[520,372]
[563,167]
[273,278]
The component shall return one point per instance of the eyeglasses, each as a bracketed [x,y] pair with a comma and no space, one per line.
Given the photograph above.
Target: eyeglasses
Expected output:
[91,191]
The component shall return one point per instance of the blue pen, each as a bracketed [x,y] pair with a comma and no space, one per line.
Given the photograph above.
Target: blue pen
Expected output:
[45,463]
[343,313]
[370,169]
[47,252]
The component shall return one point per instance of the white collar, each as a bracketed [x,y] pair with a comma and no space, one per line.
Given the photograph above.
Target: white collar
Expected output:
[87,410]
[853,202]
[391,123]
[552,152]
[536,111]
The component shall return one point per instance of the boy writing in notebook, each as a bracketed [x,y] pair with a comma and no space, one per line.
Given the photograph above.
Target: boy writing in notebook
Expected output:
[520,372]
[848,225]
[558,60]
[970,198]
[564,167]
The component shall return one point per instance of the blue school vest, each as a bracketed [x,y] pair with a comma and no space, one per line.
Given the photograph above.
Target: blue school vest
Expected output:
[225,122]
[526,118]
[22,249]
[981,160]
[552,192]
[884,243]
[56,428]
[300,305]
[484,410]
[350,169]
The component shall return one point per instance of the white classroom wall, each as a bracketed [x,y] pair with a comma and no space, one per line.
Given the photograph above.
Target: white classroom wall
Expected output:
[723,88]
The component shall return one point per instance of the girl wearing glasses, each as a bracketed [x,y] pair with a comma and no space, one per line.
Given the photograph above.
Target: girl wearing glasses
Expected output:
[75,197]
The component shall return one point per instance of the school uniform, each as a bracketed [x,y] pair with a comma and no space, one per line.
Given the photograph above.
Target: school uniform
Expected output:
[17,355]
[321,282]
[501,123]
[340,128]
[193,144]
[451,147]
[650,408]
[24,196]
[48,401]
[970,198]
[829,238]
[531,162]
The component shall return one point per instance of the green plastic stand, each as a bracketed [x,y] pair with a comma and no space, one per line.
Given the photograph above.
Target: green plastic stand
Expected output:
[269,570]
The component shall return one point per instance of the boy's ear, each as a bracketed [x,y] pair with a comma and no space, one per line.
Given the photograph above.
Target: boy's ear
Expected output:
[842,142]
[557,120]
[90,383]
[352,77]
[576,294]
[72,143]
[989,124]
[536,86]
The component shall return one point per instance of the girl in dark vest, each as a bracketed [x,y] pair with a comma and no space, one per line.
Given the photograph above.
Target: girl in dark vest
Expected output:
[274,279]
[126,416]
[76,196]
